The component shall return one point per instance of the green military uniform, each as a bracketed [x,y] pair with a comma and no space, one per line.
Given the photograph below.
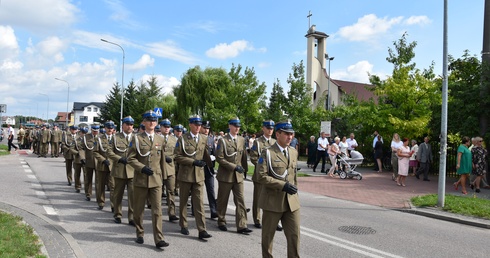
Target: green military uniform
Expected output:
[276,170]
[78,155]
[21,138]
[103,170]
[169,172]
[258,146]
[88,143]
[68,146]
[147,158]
[56,135]
[122,173]
[44,139]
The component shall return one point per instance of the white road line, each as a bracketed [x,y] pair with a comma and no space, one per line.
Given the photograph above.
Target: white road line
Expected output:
[31,176]
[40,193]
[27,170]
[36,185]
[50,210]
[337,241]
[25,166]
[23,162]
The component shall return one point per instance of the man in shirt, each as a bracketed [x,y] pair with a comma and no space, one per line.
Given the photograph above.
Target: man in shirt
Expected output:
[321,152]
[351,143]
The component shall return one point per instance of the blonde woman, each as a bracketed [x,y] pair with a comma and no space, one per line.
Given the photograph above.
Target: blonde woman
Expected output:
[395,145]
[333,151]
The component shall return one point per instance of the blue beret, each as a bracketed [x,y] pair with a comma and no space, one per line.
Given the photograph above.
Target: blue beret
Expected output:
[128,120]
[165,122]
[235,121]
[285,126]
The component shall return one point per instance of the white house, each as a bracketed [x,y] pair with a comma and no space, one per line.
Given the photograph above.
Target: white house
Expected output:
[86,113]
[8,120]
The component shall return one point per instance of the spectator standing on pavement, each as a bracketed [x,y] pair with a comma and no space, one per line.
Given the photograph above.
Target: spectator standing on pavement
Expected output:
[413,159]
[295,144]
[311,152]
[479,158]
[483,181]
[463,164]
[321,152]
[424,156]
[404,155]
[378,153]
[343,146]
[11,135]
[395,144]
[352,143]
[333,151]
[375,140]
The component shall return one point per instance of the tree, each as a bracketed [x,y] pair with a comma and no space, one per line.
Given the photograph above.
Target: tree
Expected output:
[277,99]
[112,105]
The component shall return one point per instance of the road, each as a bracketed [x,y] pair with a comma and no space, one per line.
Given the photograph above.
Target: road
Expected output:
[71,226]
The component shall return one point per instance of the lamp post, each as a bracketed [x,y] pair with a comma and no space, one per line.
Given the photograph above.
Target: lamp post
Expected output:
[122,81]
[329,78]
[47,109]
[67,100]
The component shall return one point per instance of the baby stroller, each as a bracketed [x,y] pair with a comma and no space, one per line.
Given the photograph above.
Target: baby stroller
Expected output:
[346,167]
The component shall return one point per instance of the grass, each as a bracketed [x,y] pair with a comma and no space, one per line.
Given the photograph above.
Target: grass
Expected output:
[17,239]
[4,150]
[470,206]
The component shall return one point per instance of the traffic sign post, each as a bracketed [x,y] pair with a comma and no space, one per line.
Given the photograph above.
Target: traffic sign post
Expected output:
[3,109]
[326,127]
[158,111]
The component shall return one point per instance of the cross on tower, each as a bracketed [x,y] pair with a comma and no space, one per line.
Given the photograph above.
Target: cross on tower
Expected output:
[308,16]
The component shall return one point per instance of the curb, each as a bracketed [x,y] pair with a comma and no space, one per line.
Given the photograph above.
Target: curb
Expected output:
[446,216]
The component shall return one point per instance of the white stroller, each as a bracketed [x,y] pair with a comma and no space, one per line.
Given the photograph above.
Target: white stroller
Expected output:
[346,167]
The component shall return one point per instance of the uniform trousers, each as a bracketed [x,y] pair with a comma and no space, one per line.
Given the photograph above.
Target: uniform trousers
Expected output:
[196,190]
[102,178]
[224,190]
[78,174]
[209,182]
[290,222]
[44,149]
[88,179]
[119,185]
[69,170]
[255,203]
[55,149]
[140,195]
[170,188]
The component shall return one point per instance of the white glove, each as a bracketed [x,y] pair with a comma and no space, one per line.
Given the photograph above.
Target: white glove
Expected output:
[213,158]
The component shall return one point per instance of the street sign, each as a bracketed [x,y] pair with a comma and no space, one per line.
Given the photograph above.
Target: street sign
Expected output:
[158,111]
[3,108]
[326,127]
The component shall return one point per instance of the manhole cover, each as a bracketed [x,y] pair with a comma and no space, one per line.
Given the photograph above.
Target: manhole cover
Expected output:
[357,230]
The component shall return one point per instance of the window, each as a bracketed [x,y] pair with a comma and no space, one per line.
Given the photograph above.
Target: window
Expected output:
[89,109]
[96,109]
[83,118]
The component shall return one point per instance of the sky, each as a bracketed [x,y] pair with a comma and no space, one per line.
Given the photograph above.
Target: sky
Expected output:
[41,40]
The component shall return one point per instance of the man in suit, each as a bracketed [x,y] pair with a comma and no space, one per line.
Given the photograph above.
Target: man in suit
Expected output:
[55,141]
[89,142]
[169,169]
[424,156]
[121,172]
[209,170]
[104,165]
[232,159]
[44,139]
[191,155]
[147,158]
[279,199]
[68,145]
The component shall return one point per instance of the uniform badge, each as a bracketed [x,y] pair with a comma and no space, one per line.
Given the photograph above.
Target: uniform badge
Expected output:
[131,144]
[218,147]
[261,160]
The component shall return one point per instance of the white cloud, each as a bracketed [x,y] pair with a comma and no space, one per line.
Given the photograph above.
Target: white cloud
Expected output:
[357,72]
[168,49]
[45,53]
[167,83]
[145,61]
[417,20]
[38,16]
[122,15]
[368,27]
[224,50]
[9,48]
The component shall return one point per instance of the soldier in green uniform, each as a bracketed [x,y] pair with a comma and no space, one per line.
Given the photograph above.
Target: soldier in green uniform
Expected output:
[169,171]
[122,172]
[147,158]
[67,145]
[191,154]
[177,132]
[104,166]
[279,199]
[232,160]
[89,144]
[21,137]
[44,139]
[79,158]
[55,141]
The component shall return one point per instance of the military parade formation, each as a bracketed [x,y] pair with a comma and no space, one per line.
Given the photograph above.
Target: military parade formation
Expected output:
[156,161]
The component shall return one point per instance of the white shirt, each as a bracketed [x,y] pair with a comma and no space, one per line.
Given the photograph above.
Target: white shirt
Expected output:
[324,142]
[343,147]
[352,144]
[195,137]
[396,145]
[10,131]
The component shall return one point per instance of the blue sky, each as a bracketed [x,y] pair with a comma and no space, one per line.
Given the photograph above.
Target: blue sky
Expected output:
[44,39]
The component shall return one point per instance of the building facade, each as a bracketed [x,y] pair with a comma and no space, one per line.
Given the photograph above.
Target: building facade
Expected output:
[86,113]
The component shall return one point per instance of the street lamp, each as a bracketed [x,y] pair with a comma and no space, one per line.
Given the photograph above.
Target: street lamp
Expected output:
[47,109]
[122,81]
[67,100]
[329,78]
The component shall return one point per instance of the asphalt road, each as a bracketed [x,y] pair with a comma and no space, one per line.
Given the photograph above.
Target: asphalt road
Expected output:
[329,227]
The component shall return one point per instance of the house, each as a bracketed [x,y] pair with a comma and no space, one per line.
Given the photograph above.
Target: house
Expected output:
[63,119]
[8,120]
[86,113]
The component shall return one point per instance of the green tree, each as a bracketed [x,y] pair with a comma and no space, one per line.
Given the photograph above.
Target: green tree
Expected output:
[112,105]
[277,99]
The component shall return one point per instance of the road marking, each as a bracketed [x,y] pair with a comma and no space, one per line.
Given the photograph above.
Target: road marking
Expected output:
[25,166]
[36,185]
[40,193]
[27,170]
[371,252]
[31,176]
[23,162]
[50,210]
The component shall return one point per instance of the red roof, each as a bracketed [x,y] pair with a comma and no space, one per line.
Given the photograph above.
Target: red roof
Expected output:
[358,90]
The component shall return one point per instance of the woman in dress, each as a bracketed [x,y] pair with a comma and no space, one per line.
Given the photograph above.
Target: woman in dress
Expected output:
[404,154]
[463,164]
[343,146]
[479,158]
[333,151]
[413,159]
[378,153]
[395,144]
[311,151]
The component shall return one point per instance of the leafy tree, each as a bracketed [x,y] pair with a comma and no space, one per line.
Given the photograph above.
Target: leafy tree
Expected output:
[277,99]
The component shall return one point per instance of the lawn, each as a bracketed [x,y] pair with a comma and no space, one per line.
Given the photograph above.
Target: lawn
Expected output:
[17,239]
[469,206]
[4,150]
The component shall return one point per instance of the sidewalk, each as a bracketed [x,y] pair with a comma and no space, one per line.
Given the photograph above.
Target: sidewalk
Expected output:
[380,190]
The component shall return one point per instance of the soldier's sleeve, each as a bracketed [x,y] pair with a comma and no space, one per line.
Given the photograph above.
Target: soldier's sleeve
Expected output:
[220,156]
[180,156]
[244,160]
[99,157]
[264,178]
[111,154]
[81,150]
[132,160]
[162,162]
[254,153]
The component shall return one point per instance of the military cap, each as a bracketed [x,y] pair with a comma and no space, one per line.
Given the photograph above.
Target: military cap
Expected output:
[179,128]
[165,122]
[142,126]
[184,130]
[102,130]
[235,122]
[95,127]
[150,115]
[268,124]
[206,124]
[128,120]
[84,129]
[285,126]
[109,124]
[37,126]
[73,127]
[157,128]
[43,125]
[195,119]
